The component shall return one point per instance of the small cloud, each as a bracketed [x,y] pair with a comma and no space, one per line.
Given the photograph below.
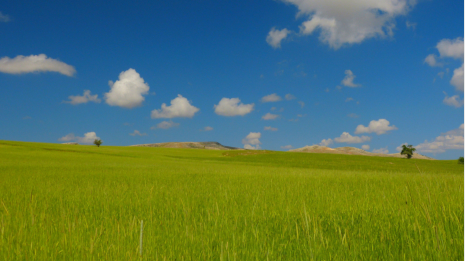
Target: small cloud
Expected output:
[275,37]
[34,63]
[287,147]
[233,107]
[453,101]
[27,118]
[208,128]
[347,138]
[431,60]
[301,103]
[457,79]
[165,125]
[137,133]
[379,127]
[128,91]
[365,147]
[251,141]
[411,25]
[441,74]
[326,142]
[349,99]
[381,151]
[271,98]
[289,97]
[353,115]
[85,98]
[349,79]
[88,138]
[270,116]
[270,128]
[180,108]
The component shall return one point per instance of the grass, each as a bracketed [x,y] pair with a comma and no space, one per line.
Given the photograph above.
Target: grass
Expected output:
[65,202]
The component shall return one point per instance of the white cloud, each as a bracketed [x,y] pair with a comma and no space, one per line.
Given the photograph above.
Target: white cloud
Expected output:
[179,108]
[451,48]
[287,147]
[34,63]
[4,18]
[233,107]
[302,104]
[128,91]
[289,97]
[365,147]
[137,133]
[379,127]
[341,22]
[270,128]
[431,60]
[88,138]
[451,140]
[208,128]
[270,116]
[85,98]
[347,138]
[457,79]
[381,150]
[271,98]
[453,101]
[349,79]
[251,141]
[409,25]
[165,125]
[326,142]
[275,37]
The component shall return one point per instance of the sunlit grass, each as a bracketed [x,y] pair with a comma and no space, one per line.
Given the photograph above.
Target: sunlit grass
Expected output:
[64,202]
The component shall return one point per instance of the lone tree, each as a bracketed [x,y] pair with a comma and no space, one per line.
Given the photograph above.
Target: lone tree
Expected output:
[98,142]
[460,160]
[407,150]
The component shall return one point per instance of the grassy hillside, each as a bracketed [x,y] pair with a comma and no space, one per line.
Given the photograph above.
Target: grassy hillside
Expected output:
[66,202]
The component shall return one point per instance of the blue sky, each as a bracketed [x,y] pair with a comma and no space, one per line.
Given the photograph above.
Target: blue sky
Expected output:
[375,74]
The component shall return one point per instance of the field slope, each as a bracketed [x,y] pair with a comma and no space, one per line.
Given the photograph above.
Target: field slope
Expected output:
[64,202]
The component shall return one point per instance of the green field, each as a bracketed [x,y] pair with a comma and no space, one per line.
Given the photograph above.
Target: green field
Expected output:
[65,202]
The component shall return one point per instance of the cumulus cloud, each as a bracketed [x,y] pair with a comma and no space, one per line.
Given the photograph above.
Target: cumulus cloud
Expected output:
[431,60]
[289,97]
[365,147]
[88,138]
[457,79]
[270,128]
[275,37]
[34,63]
[180,108]
[165,125]
[451,140]
[347,138]
[287,147]
[271,98]
[137,133]
[341,22]
[379,127]
[4,18]
[326,142]
[233,107]
[85,98]
[453,101]
[451,48]
[270,116]
[128,91]
[251,141]
[349,79]
[381,150]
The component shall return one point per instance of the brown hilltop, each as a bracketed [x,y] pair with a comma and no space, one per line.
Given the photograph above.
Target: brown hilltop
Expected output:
[209,145]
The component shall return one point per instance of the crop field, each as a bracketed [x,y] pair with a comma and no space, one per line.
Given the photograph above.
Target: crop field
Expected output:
[66,202]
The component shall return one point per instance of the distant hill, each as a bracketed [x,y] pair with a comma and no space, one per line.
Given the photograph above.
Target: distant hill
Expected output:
[352,151]
[209,145]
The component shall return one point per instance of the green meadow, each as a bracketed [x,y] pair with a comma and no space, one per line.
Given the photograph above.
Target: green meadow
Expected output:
[66,202]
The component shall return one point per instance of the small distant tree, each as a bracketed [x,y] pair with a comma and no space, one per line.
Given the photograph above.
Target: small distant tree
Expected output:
[407,150]
[461,160]
[98,142]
